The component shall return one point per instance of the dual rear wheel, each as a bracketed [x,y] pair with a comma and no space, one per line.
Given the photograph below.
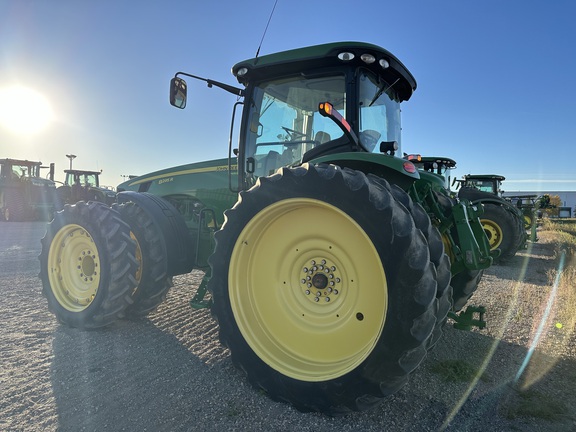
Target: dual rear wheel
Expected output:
[99,264]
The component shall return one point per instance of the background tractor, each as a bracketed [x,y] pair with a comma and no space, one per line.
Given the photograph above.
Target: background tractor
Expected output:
[331,264]
[82,185]
[24,195]
[527,205]
[503,222]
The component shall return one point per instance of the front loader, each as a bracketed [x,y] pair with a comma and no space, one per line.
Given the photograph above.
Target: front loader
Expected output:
[331,261]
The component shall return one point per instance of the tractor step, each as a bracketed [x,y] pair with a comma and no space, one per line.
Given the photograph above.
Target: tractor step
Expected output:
[465,320]
[199,301]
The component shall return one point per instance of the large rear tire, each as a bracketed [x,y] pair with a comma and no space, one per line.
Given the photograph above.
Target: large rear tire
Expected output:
[323,288]
[87,265]
[438,257]
[464,285]
[153,282]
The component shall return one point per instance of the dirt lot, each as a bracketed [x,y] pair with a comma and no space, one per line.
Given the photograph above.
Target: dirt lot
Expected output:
[169,373]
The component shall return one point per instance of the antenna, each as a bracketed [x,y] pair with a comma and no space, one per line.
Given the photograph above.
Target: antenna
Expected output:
[266,29]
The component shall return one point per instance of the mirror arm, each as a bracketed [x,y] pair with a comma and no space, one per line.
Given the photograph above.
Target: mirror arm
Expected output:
[234,90]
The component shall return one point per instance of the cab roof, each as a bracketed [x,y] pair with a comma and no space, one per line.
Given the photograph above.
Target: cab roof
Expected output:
[326,55]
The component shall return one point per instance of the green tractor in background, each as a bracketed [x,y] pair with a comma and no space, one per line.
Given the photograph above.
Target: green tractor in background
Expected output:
[527,205]
[332,263]
[503,222]
[82,185]
[24,194]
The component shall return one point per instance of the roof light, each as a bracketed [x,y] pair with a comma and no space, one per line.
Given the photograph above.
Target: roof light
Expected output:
[384,63]
[368,58]
[242,71]
[413,157]
[346,56]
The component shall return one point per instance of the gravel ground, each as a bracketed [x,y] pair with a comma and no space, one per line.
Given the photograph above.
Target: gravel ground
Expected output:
[169,373]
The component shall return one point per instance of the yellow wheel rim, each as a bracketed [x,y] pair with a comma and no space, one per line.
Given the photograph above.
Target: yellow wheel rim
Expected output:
[493,232]
[307,289]
[448,247]
[73,268]
[527,222]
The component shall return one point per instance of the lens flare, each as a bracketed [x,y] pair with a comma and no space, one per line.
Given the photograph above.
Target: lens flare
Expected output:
[24,111]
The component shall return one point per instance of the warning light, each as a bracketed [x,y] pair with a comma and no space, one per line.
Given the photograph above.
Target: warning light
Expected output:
[409,167]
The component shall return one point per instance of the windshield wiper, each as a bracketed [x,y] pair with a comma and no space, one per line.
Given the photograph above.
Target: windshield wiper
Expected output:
[380,91]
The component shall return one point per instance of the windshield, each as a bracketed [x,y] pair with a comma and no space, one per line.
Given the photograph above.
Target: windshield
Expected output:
[483,185]
[81,179]
[285,123]
[379,112]
[20,170]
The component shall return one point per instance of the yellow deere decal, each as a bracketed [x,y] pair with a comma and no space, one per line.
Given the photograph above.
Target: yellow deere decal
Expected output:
[168,177]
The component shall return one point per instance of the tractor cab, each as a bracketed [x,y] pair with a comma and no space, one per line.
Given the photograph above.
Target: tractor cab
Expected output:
[19,169]
[439,166]
[24,194]
[313,102]
[490,183]
[82,185]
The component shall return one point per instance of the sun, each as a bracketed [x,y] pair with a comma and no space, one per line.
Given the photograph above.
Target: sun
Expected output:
[24,111]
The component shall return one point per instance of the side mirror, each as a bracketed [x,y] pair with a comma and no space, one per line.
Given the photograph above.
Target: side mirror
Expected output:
[178,89]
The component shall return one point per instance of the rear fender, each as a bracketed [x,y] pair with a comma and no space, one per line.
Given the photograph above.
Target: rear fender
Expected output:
[177,242]
[394,170]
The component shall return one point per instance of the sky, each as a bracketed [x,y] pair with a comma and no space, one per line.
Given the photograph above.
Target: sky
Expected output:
[496,79]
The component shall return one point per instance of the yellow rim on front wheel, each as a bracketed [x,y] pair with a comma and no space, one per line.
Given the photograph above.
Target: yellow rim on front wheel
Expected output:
[493,232]
[73,268]
[307,289]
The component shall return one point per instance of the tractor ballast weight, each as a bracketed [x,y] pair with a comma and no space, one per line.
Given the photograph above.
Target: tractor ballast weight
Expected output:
[331,262]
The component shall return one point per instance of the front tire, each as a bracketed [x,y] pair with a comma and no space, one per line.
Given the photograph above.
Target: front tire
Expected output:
[323,288]
[87,265]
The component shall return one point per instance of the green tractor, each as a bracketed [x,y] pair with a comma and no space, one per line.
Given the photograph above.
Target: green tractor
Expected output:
[503,222]
[24,194]
[82,185]
[527,205]
[331,264]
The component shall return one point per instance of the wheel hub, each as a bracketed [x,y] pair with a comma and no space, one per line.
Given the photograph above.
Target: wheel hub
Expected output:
[321,281]
[88,265]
